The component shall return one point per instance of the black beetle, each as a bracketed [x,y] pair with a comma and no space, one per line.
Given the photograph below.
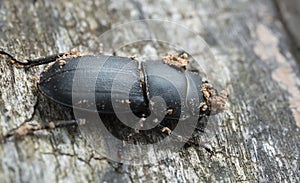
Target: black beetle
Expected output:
[184,91]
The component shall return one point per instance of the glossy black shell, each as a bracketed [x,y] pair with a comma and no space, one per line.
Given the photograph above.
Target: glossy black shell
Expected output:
[180,89]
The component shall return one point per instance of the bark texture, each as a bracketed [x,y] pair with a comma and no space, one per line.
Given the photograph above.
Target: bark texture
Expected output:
[256,139]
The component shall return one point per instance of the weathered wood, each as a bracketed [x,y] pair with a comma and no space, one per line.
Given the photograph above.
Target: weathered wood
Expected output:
[257,139]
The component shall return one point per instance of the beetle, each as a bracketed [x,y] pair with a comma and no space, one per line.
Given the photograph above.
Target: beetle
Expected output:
[186,94]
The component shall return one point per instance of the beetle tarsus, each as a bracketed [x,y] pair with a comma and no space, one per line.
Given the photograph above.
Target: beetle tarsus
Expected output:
[24,129]
[28,127]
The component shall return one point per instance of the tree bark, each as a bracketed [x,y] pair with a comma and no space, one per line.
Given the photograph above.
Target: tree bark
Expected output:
[256,140]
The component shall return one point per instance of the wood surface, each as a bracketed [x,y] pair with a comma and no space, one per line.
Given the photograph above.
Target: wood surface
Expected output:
[256,140]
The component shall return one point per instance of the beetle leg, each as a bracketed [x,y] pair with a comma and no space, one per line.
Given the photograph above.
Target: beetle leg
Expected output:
[28,127]
[61,124]
[208,149]
[22,130]
[188,141]
[34,62]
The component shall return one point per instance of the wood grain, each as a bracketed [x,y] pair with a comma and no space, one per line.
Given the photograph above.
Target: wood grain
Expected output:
[256,140]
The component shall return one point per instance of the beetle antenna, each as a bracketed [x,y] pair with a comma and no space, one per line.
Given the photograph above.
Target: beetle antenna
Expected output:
[34,62]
